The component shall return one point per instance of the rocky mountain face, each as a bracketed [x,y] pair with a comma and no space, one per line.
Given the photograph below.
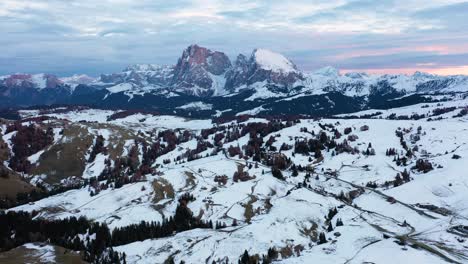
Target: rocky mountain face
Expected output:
[140,75]
[196,70]
[29,81]
[203,73]
[263,80]
[263,66]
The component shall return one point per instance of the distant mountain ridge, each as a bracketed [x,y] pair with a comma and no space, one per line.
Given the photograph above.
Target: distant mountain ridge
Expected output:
[203,75]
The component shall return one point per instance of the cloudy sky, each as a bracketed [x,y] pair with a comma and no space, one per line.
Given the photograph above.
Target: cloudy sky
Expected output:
[101,36]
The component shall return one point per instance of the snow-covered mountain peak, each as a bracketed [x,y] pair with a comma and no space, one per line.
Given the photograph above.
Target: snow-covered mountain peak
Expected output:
[77,79]
[356,75]
[200,71]
[146,67]
[269,60]
[36,81]
[422,75]
[328,71]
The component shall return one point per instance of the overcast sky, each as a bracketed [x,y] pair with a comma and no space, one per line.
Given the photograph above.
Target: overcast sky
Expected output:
[64,37]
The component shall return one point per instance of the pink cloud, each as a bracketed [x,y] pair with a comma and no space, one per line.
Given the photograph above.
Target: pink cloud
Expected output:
[438,49]
[454,70]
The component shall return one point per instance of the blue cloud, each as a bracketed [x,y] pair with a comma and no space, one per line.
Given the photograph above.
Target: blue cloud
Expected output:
[66,37]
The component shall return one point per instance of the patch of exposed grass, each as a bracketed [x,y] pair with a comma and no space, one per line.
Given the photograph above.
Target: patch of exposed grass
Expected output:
[24,255]
[12,185]
[66,158]
[190,179]
[162,190]
[117,138]
[311,232]
[249,211]
[4,150]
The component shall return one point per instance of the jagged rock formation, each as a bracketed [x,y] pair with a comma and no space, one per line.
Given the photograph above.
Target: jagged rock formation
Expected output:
[209,77]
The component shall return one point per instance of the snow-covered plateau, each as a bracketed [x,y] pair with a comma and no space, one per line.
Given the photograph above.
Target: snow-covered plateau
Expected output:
[377,186]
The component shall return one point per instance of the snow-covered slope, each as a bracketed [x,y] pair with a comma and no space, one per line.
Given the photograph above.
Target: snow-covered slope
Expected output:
[78,79]
[35,81]
[421,217]
[272,61]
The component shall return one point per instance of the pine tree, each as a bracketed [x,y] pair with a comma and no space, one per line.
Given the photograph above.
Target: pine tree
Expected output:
[245,259]
[322,238]
[294,171]
[339,222]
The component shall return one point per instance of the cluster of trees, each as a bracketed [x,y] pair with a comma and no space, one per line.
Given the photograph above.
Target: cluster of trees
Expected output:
[157,149]
[246,258]
[38,193]
[125,113]
[391,152]
[324,142]
[310,146]
[269,143]
[462,112]
[218,139]
[331,213]
[234,151]
[256,131]
[423,166]
[347,130]
[130,169]
[414,116]
[444,110]
[182,221]
[241,175]
[372,185]
[125,170]
[365,116]
[322,238]
[27,141]
[254,147]
[401,178]
[369,151]
[277,161]
[344,147]
[221,179]
[98,147]
[277,173]
[194,154]
[19,228]
[409,153]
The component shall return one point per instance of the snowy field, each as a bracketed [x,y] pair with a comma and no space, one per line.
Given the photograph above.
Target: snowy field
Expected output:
[383,225]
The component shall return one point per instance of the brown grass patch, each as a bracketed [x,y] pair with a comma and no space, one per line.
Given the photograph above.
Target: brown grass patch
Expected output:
[66,158]
[13,185]
[249,211]
[311,232]
[4,150]
[117,139]
[24,255]
[190,179]
[162,190]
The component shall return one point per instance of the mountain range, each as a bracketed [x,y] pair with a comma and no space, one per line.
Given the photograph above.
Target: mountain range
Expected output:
[210,83]
[274,165]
